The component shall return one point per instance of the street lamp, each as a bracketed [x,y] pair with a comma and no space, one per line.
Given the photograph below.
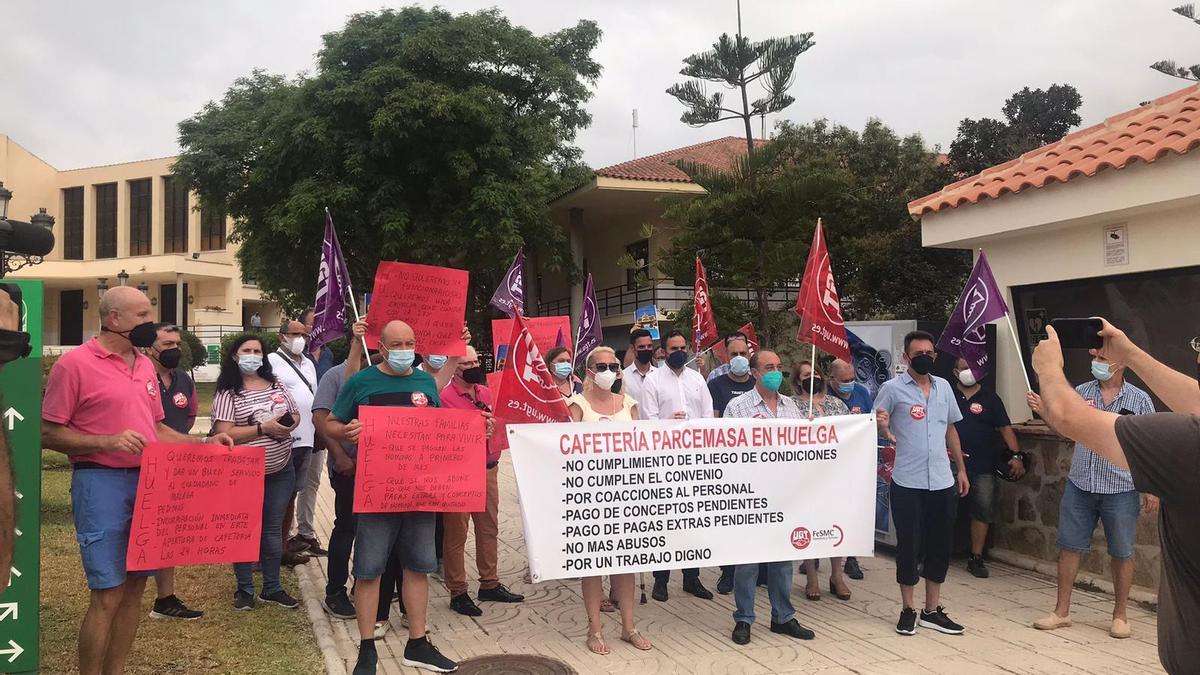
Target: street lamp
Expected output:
[122,277]
[143,286]
[5,195]
[102,287]
[11,262]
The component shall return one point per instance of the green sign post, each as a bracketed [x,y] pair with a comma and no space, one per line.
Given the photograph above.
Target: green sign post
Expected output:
[21,410]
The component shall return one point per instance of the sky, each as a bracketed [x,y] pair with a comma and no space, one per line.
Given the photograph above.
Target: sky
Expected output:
[86,83]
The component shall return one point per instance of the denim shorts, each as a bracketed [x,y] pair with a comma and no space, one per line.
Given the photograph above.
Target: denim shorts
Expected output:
[102,506]
[411,533]
[985,490]
[1079,511]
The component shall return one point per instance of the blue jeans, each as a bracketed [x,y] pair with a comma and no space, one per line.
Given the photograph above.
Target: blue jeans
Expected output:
[277,493]
[779,589]
[1079,511]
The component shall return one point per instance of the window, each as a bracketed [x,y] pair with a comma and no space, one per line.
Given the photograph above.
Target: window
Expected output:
[640,252]
[73,223]
[175,215]
[212,231]
[140,206]
[1147,306]
[106,220]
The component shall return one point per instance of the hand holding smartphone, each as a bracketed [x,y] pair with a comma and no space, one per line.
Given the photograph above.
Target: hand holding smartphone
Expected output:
[1078,333]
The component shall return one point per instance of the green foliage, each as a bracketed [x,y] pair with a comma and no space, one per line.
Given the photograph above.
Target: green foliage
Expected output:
[48,363]
[270,340]
[1032,118]
[432,137]
[194,352]
[340,348]
[1168,66]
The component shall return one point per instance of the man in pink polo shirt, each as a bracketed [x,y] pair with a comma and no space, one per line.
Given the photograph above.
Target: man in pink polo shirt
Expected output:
[467,392]
[101,408]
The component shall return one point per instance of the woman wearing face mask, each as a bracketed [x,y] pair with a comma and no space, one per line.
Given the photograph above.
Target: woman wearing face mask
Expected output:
[253,408]
[821,404]
[602,401]
[560,360]
[660,357]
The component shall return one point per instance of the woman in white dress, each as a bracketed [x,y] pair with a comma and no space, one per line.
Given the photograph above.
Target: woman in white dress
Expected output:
[602,401]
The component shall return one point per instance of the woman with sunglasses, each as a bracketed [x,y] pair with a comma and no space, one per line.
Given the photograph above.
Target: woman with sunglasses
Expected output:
[602,401]
[560,361]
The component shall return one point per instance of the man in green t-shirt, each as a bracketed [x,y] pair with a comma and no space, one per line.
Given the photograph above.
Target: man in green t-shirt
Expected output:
[394,382]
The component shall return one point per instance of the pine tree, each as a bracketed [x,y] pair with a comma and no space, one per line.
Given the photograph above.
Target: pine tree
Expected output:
[1168,66]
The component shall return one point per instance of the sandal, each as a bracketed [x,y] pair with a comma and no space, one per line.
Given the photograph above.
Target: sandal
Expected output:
[839,594]
[608,606]
[638,640]
[811,594]
[595,642]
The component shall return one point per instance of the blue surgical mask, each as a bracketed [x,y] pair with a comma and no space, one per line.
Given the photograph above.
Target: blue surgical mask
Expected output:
[739,365]
[659,363]
[563,369]
[845,388]
[401,359]
[1101,371]
[436,361]
[249,363]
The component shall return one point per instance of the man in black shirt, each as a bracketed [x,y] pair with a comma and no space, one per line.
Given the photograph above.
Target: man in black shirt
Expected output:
[737,380]
[983,414]
[1162,452]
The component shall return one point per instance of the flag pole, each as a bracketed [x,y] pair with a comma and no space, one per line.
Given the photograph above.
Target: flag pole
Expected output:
[1017,346]
[812,374]
[350,289]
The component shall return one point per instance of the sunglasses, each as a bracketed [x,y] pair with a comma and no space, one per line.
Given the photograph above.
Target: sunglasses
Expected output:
[601,367]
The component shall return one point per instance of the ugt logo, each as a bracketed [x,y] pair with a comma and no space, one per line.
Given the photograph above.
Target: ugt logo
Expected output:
[801,538]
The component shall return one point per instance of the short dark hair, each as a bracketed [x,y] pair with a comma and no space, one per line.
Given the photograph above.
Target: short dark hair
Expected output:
[670,335]
[637,334]
[915,335]
[555,353]
[736,336]
[167,326]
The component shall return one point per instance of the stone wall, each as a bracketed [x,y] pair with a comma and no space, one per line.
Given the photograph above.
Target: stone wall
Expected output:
[1027,523]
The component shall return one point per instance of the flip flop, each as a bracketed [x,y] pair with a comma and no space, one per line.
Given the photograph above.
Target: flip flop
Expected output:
[600,647]
[638,640]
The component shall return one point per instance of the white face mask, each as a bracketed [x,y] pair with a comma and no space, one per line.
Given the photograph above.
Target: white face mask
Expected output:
[967,378]
[605,380]
[294,345]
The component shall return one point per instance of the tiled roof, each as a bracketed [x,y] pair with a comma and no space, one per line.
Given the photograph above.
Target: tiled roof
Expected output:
[1165,125]
[721,154]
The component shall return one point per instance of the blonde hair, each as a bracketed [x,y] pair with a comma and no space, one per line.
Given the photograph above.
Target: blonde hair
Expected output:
[588,382]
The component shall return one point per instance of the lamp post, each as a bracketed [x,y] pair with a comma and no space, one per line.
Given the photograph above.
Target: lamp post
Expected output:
[102,286]
[11,262]
[143,286]
[122,277]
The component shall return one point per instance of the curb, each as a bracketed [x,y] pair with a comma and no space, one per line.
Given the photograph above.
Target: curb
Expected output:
[1050,569]
[334,664]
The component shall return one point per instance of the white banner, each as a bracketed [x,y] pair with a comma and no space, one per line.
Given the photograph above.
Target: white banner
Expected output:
[614,497]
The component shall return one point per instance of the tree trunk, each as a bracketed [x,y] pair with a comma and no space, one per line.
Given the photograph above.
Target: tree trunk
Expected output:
[762,294]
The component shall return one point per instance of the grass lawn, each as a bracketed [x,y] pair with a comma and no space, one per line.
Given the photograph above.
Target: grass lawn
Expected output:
[266,640]
[204,392]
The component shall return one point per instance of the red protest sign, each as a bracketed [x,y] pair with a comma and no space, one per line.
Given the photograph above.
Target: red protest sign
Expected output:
[527,392]
[433,300]
[545,331]
[197,504]
[420,459]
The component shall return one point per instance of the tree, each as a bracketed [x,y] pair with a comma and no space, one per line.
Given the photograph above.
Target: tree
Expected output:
[1032,118]
[432,138]
[737,63]
[1168,66]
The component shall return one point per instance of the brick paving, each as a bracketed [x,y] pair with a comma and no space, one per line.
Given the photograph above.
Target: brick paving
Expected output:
[692,635]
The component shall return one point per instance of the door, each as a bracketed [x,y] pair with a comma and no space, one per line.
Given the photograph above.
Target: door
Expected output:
[70,317]
[166,304]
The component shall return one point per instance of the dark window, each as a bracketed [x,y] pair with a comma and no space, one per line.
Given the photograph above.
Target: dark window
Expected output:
[106,220]
[73,223]
[175,215]
[140,210]
[640,252]
[1147,306]
[212,230]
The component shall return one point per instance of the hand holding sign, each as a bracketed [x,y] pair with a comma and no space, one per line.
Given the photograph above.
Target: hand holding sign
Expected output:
[433,300]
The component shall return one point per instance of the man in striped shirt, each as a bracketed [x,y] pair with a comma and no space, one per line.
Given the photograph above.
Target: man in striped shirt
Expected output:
[1098,490]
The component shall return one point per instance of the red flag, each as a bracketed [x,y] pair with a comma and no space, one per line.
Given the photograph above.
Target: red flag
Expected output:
[527,390]
[704,324]
[817,304]
[751,339]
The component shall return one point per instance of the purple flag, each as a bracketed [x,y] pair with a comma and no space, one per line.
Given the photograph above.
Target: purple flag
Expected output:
[510,296]
[333,280]
[589,336]
[980,303]
[560,340]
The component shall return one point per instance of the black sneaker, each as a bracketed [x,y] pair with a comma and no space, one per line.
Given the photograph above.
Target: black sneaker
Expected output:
[296,544]
[499,594]
[660,591]
[280,598]
[420,653]
[938,621]
[243,601]
[339,606]
[462,604]
[907,625]
[976,567]
[368,660]
[697,589]
[725,583]
[314,545]
[852,569]
[172,607]
[794,629]
[741,633]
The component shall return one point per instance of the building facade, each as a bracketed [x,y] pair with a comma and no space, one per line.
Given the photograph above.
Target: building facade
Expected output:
[129,224]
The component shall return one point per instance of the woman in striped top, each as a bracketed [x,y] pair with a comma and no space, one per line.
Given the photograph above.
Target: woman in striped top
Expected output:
[253,408]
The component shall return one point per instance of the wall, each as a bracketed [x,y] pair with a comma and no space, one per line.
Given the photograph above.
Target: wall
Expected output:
[31,181]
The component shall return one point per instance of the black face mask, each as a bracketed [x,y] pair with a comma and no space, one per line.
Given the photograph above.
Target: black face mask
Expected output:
[141,336]
[616,386]
[169,358]
[818,384]
[922,364]
[13,345]
[676,360]
[644,356]
[473,375]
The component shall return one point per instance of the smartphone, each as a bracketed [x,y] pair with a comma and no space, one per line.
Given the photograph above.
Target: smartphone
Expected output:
[287,420]
[1078,333]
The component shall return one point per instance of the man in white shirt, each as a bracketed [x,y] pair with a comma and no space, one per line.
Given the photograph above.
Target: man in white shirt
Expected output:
[642,344]
[299,376]
[676,392]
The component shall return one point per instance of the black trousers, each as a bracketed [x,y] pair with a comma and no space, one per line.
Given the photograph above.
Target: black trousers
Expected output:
[391,580]
[341,540]
[924,532]
[665,575]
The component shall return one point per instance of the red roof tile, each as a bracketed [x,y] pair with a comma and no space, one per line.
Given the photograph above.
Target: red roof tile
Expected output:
[1167,124]
[721,154]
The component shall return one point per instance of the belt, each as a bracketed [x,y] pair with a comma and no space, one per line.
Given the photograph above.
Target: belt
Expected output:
[89,466]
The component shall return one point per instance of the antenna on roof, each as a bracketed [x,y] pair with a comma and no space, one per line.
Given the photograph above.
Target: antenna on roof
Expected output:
[635,127]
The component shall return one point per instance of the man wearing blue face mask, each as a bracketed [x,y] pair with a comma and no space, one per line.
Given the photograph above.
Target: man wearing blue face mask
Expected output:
[725,367]
[1098,490]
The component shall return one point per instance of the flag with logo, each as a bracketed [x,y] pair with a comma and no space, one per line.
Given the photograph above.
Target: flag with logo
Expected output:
[333,281]
[871,368]
[818,306]
[704,324]
[589,336]
[527,391]
[981,302]
[510,295]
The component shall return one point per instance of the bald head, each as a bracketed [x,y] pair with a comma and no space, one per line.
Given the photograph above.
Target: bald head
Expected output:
[124,307]
[397,335]
[764,360]
[841,371]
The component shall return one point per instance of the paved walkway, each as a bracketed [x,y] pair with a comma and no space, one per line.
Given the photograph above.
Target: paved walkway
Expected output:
[692,635]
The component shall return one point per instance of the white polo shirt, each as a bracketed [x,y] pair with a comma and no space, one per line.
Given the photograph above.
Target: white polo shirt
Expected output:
[300,392]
